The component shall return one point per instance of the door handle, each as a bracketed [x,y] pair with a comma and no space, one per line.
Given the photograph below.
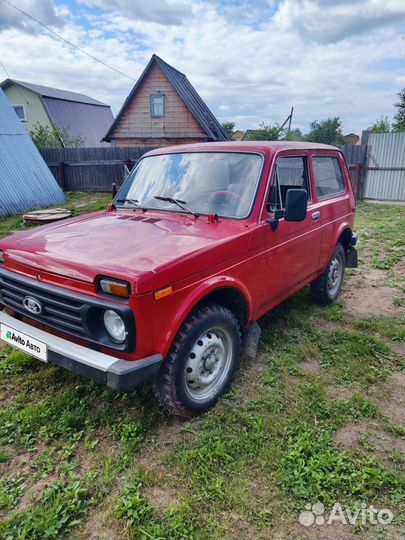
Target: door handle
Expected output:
[315,215]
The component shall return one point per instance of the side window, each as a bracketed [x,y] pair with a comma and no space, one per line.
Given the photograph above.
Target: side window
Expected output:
[328,176]
[290,172]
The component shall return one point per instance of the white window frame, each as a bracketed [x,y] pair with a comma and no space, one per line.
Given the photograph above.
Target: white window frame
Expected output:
[23,108]
[163,97]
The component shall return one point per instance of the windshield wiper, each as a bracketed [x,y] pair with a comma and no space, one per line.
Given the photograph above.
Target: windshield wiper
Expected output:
[178,202]
[135,202]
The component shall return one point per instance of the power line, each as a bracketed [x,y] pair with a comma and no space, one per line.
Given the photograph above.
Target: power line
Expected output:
[5,70]
[18,90]
[67,41]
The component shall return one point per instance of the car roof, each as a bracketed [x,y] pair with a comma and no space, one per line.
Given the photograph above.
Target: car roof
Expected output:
[243,146]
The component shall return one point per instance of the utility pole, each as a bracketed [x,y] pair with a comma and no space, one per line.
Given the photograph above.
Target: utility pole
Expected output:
[289,123]
[289,120]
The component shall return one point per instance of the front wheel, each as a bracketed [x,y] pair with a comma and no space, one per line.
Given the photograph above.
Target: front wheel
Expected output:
[202,362]
[329,284]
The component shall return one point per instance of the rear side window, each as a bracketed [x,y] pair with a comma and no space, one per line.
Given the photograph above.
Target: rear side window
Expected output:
[328,176]
[290,172]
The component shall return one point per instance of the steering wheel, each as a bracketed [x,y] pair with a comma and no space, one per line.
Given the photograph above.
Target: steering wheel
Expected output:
[216,197]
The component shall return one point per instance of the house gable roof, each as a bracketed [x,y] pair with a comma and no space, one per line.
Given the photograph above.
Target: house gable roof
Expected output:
[56,93]
[189,95]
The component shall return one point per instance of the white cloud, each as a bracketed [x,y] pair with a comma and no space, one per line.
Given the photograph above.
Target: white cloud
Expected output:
[248,70]
[162,11]
[332,21]
[42,9]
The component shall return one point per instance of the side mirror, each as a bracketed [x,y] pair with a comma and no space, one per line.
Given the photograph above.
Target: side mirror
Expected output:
[114,190]
[296,205]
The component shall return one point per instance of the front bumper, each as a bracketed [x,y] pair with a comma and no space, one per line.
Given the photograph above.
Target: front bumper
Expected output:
[120,375]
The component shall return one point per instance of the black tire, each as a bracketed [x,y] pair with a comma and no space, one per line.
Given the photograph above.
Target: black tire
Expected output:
[323,289]
[208,328]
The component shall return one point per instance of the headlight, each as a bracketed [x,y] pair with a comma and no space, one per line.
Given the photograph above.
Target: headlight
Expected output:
[1,257]
[114,325]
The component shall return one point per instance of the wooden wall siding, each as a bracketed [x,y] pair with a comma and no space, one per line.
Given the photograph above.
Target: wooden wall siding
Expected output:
[136,121]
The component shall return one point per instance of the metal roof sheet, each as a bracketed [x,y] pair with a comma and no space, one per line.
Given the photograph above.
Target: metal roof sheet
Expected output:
[85,121]
[25,180]
[187,92]
[56,93]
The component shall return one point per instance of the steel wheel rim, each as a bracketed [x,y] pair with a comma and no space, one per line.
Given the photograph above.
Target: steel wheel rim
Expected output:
[208,363]
[335,275]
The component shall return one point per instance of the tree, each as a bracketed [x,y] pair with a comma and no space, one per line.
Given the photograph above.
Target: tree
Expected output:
[50,137]
[294,135]
[382,125]
[327,131]
[267,133]
[399,118]
[229,128]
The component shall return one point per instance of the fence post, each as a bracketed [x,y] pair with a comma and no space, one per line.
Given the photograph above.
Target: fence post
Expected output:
[358,180]
[63,165]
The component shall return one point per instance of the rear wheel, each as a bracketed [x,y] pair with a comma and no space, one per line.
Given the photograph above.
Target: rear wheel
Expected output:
[329,284]
[202,362]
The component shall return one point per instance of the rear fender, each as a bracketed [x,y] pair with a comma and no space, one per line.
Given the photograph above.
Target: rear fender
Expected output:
[342,227]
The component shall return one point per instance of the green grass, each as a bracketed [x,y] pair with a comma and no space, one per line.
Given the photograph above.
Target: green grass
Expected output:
[382,242]
[244,470]
[11,490]
[77,202]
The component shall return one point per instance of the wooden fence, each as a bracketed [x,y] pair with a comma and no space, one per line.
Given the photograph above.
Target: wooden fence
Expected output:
[356,156]
[91,169]
[96,169]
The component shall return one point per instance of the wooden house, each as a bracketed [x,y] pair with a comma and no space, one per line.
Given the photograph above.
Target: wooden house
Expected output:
[80,117]
[163,109]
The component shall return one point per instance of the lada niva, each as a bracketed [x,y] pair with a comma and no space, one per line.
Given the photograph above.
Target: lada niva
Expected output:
[166,284]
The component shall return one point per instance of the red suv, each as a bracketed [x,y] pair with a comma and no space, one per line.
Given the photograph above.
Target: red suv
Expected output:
[167,283]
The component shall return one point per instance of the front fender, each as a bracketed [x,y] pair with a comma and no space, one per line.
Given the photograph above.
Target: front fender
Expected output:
[192,296]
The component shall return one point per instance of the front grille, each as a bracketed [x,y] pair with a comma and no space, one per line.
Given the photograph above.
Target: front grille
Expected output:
[73,313]
[57,311]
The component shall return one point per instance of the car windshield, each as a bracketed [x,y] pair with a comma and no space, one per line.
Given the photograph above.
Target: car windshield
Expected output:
[222,183]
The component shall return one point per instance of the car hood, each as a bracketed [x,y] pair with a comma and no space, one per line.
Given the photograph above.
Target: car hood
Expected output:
[149,250]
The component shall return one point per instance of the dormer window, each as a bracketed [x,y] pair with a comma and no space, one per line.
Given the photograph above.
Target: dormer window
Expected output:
[157,105]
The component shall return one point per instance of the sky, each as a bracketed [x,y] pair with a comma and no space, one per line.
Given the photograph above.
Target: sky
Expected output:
[251,61]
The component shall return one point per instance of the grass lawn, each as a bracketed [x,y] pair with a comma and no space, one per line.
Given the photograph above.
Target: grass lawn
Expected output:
[318,416]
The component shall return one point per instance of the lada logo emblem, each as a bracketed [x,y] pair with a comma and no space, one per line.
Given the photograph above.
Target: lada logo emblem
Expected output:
[32,305]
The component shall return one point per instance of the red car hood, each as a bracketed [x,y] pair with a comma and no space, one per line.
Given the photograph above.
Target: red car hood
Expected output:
[149,250]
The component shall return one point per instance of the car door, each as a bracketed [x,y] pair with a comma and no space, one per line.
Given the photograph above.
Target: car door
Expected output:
[293,248]
[333,198]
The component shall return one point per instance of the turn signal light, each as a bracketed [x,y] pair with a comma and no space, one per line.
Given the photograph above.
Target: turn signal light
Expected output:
[116,288]
[158,295]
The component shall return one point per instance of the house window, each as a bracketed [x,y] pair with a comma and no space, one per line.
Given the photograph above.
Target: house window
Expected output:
[20,111]
[157,105]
